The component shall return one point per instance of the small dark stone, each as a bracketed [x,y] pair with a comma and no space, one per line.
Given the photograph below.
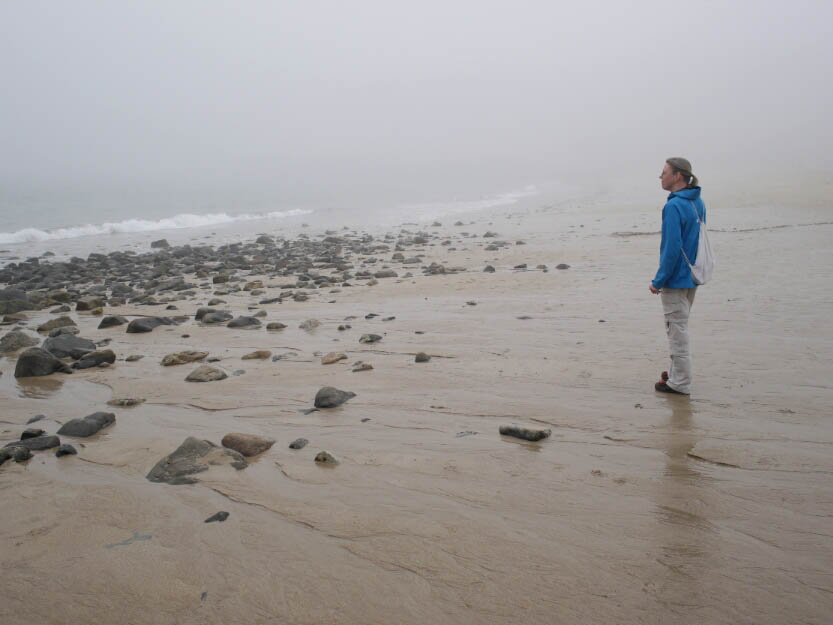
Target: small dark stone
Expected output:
[31,433]
[422,357]
[65,450]
[219,517]
[489,269]
[369,338]
[562,266]
[298,443]
[524,433]
[36,418]
[324,457]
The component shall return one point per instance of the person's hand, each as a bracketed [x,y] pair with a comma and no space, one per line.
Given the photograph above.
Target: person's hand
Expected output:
[653,290]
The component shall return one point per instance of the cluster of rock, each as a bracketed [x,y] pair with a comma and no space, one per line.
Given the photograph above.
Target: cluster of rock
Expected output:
[36,439]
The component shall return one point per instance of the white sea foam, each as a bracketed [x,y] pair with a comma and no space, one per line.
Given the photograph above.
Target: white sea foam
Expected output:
[176,222]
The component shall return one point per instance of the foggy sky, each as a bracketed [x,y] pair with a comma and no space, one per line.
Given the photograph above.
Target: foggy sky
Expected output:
[315,99]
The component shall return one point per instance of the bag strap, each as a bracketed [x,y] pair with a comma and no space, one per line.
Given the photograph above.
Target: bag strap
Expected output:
[697,216]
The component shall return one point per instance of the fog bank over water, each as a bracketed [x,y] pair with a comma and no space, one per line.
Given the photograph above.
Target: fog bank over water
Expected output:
[349,104]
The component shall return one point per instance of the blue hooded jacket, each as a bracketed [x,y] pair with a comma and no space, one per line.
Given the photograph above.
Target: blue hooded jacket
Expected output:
[679,230]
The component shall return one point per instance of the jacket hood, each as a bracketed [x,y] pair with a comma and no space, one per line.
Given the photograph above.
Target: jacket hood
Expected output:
[687,194]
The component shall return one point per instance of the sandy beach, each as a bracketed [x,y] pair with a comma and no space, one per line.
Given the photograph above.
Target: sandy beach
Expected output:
[639,508]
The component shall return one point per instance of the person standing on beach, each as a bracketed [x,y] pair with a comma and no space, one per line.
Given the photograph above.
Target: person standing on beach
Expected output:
[673,281]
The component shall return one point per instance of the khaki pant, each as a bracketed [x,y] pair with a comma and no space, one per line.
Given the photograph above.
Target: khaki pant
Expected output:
[676,305]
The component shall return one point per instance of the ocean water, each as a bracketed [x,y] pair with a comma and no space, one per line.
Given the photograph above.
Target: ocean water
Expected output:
[72,225]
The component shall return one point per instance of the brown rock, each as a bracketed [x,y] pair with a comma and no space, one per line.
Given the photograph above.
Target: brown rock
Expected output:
[181,358]
[247,444]
[332,357]
[261,354]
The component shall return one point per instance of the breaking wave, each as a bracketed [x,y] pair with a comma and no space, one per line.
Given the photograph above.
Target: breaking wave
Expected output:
[176,222]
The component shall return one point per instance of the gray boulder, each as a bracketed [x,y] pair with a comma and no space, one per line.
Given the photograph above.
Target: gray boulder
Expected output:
[330,397]
[38,362]
[65,450]
[36,443]
[56,323]
[111,321]
[96,358]
[13,300]
[15,452]
[87,426]
[90,302]
[221,316]
[206,373]
[203,311]
[68,346]
[147,324]
[193,456]
[74,330]
[17,340]
[244,322]
[369,338]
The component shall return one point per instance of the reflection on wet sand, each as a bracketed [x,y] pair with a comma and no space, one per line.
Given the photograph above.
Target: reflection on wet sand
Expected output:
[39,388]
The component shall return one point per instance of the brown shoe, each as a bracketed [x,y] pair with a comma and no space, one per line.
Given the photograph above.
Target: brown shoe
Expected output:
[662,387]
[664,376]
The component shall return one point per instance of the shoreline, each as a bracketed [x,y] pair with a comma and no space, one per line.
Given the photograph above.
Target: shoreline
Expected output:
[638,508]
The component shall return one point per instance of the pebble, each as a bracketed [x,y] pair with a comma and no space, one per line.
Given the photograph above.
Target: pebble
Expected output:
[324,457]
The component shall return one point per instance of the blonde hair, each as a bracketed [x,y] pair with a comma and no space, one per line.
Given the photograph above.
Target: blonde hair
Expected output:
[683,166]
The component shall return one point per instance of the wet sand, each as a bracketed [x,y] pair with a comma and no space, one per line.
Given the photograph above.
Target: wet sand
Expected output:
[640,508]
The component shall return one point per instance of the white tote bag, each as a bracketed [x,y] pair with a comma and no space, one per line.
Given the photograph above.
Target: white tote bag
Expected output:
[703,267]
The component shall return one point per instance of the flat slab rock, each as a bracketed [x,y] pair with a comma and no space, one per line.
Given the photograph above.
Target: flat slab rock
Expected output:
[191,457]
[528,434]
[88,425]
[247,444]
[36,443]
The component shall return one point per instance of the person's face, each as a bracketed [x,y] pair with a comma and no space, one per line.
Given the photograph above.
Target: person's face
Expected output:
[669,178]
